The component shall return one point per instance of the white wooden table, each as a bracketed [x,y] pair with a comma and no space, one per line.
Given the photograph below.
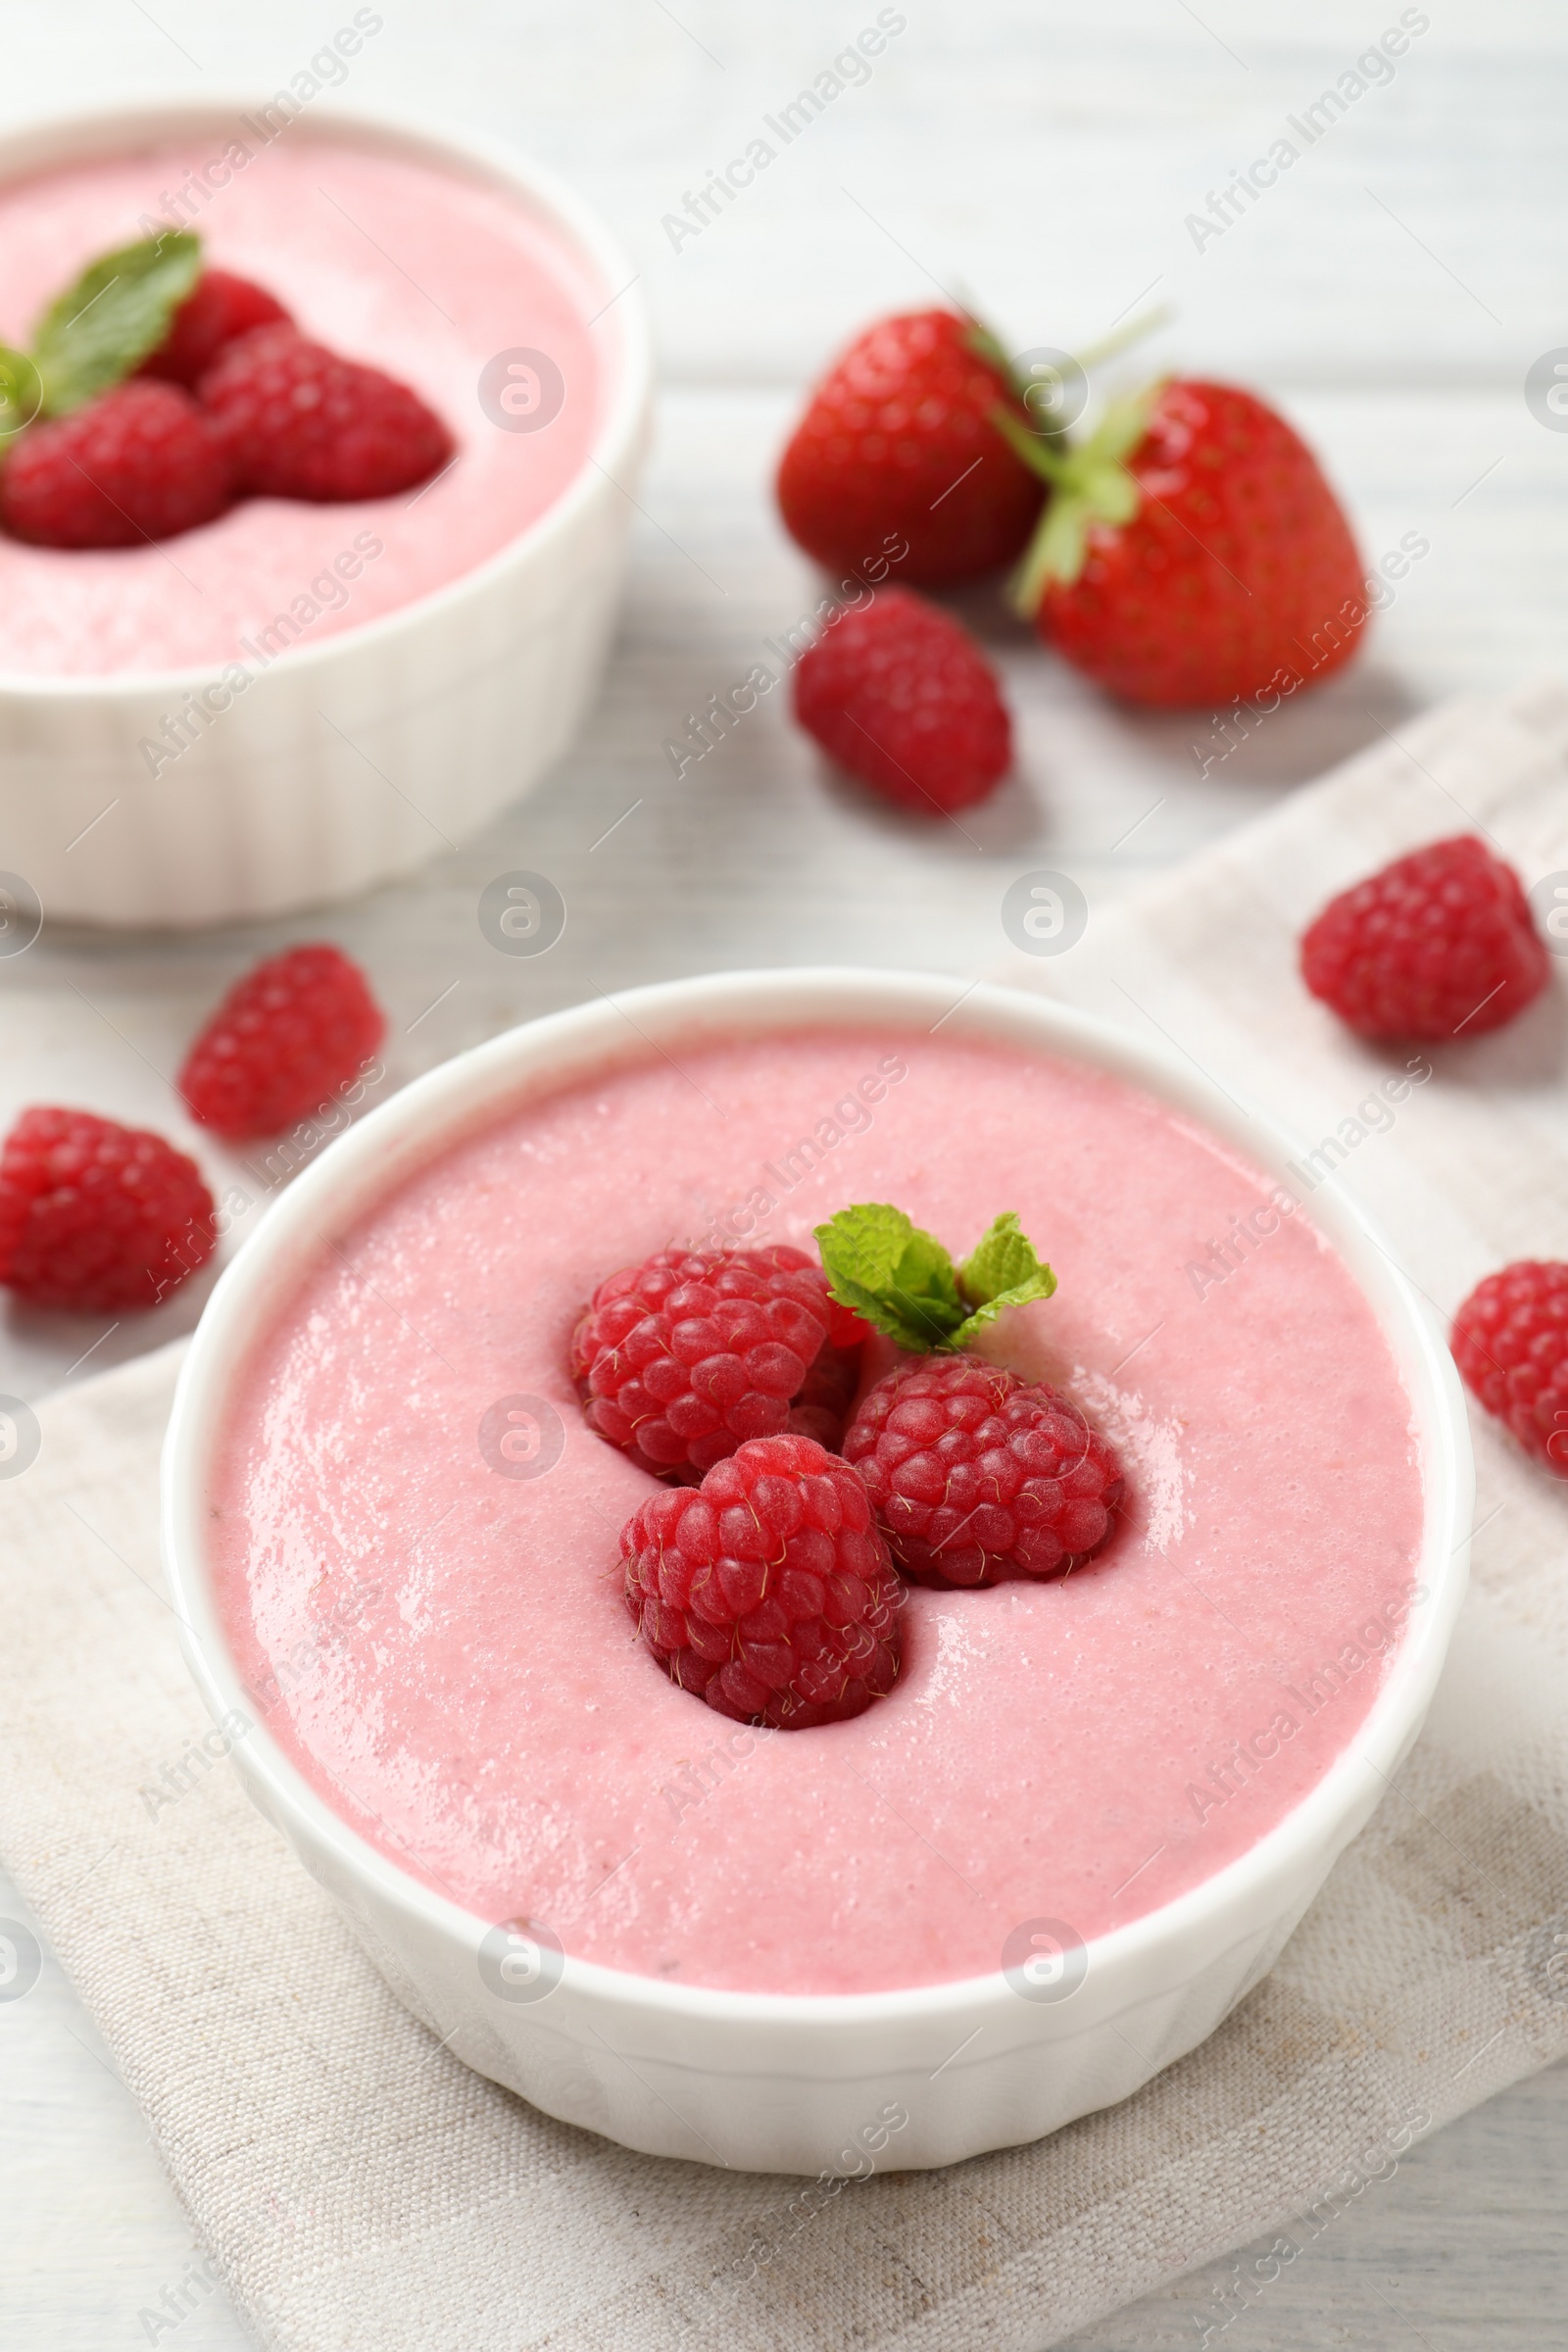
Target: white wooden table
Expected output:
[1391,290]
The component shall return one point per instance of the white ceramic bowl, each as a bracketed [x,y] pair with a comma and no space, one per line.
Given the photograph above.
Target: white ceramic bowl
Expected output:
[792,2082]
[351,762]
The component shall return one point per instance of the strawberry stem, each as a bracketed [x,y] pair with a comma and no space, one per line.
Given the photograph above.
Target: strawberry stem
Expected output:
[1121,338]
[986,345]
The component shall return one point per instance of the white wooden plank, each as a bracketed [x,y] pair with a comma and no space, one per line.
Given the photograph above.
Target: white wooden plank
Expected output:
[1042,156]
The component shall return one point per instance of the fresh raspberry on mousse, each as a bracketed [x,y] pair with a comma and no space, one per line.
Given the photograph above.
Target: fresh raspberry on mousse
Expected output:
[766,1591]
[219,307]
[165,391]
[683,1358]
[821,1404]
[141,462]
[975,1474]
[298,422]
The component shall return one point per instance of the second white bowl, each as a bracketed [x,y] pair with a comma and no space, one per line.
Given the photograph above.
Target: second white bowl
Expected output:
[350,763]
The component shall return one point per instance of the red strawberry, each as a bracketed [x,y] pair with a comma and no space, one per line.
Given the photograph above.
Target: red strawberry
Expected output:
[898,442]
[218,307]
[1193,552]
[903,697]
[300,422]
[141,462]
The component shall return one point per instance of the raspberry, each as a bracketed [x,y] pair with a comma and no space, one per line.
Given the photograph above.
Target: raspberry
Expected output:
[767,1589]
[900,695]
[219,307]
[684,1358]
[977,1475]
[139,462]
[281,1042]
[96,1216]
[1439,944]
[1510,1343]
[823,1404]
[299,423]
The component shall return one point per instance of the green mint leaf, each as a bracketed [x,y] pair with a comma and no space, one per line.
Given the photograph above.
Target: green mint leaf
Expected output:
[20,395]
[1003,1270]
[118,310]
[1001,1261]
[898,1278]
[1039,1286]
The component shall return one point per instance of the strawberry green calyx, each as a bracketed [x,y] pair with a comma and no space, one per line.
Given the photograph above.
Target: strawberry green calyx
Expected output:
[1089,484]
[118,311]
[1026,422]
[902,1281]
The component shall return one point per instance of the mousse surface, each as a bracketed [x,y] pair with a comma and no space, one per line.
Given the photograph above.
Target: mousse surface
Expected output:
[390,261]
[443,1648]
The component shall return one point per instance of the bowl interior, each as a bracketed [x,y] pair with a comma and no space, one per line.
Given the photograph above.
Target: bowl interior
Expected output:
[480,1086]
[620,324]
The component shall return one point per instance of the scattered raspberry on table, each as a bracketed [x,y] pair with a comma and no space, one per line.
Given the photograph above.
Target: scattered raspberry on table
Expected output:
[901,695]
[766,1591]
[1439,944]
[282,1042]
[976,1474]
[141,462]
[683,1358]
[1510,1343]
[97,1217]
[298,422]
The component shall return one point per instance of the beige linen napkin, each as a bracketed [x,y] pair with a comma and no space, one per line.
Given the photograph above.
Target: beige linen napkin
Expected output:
[359,2187]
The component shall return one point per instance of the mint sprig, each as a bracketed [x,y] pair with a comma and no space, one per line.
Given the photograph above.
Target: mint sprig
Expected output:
[21,393]
[1003,1270]
[893,1274]
[118,310]
[904,1282]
